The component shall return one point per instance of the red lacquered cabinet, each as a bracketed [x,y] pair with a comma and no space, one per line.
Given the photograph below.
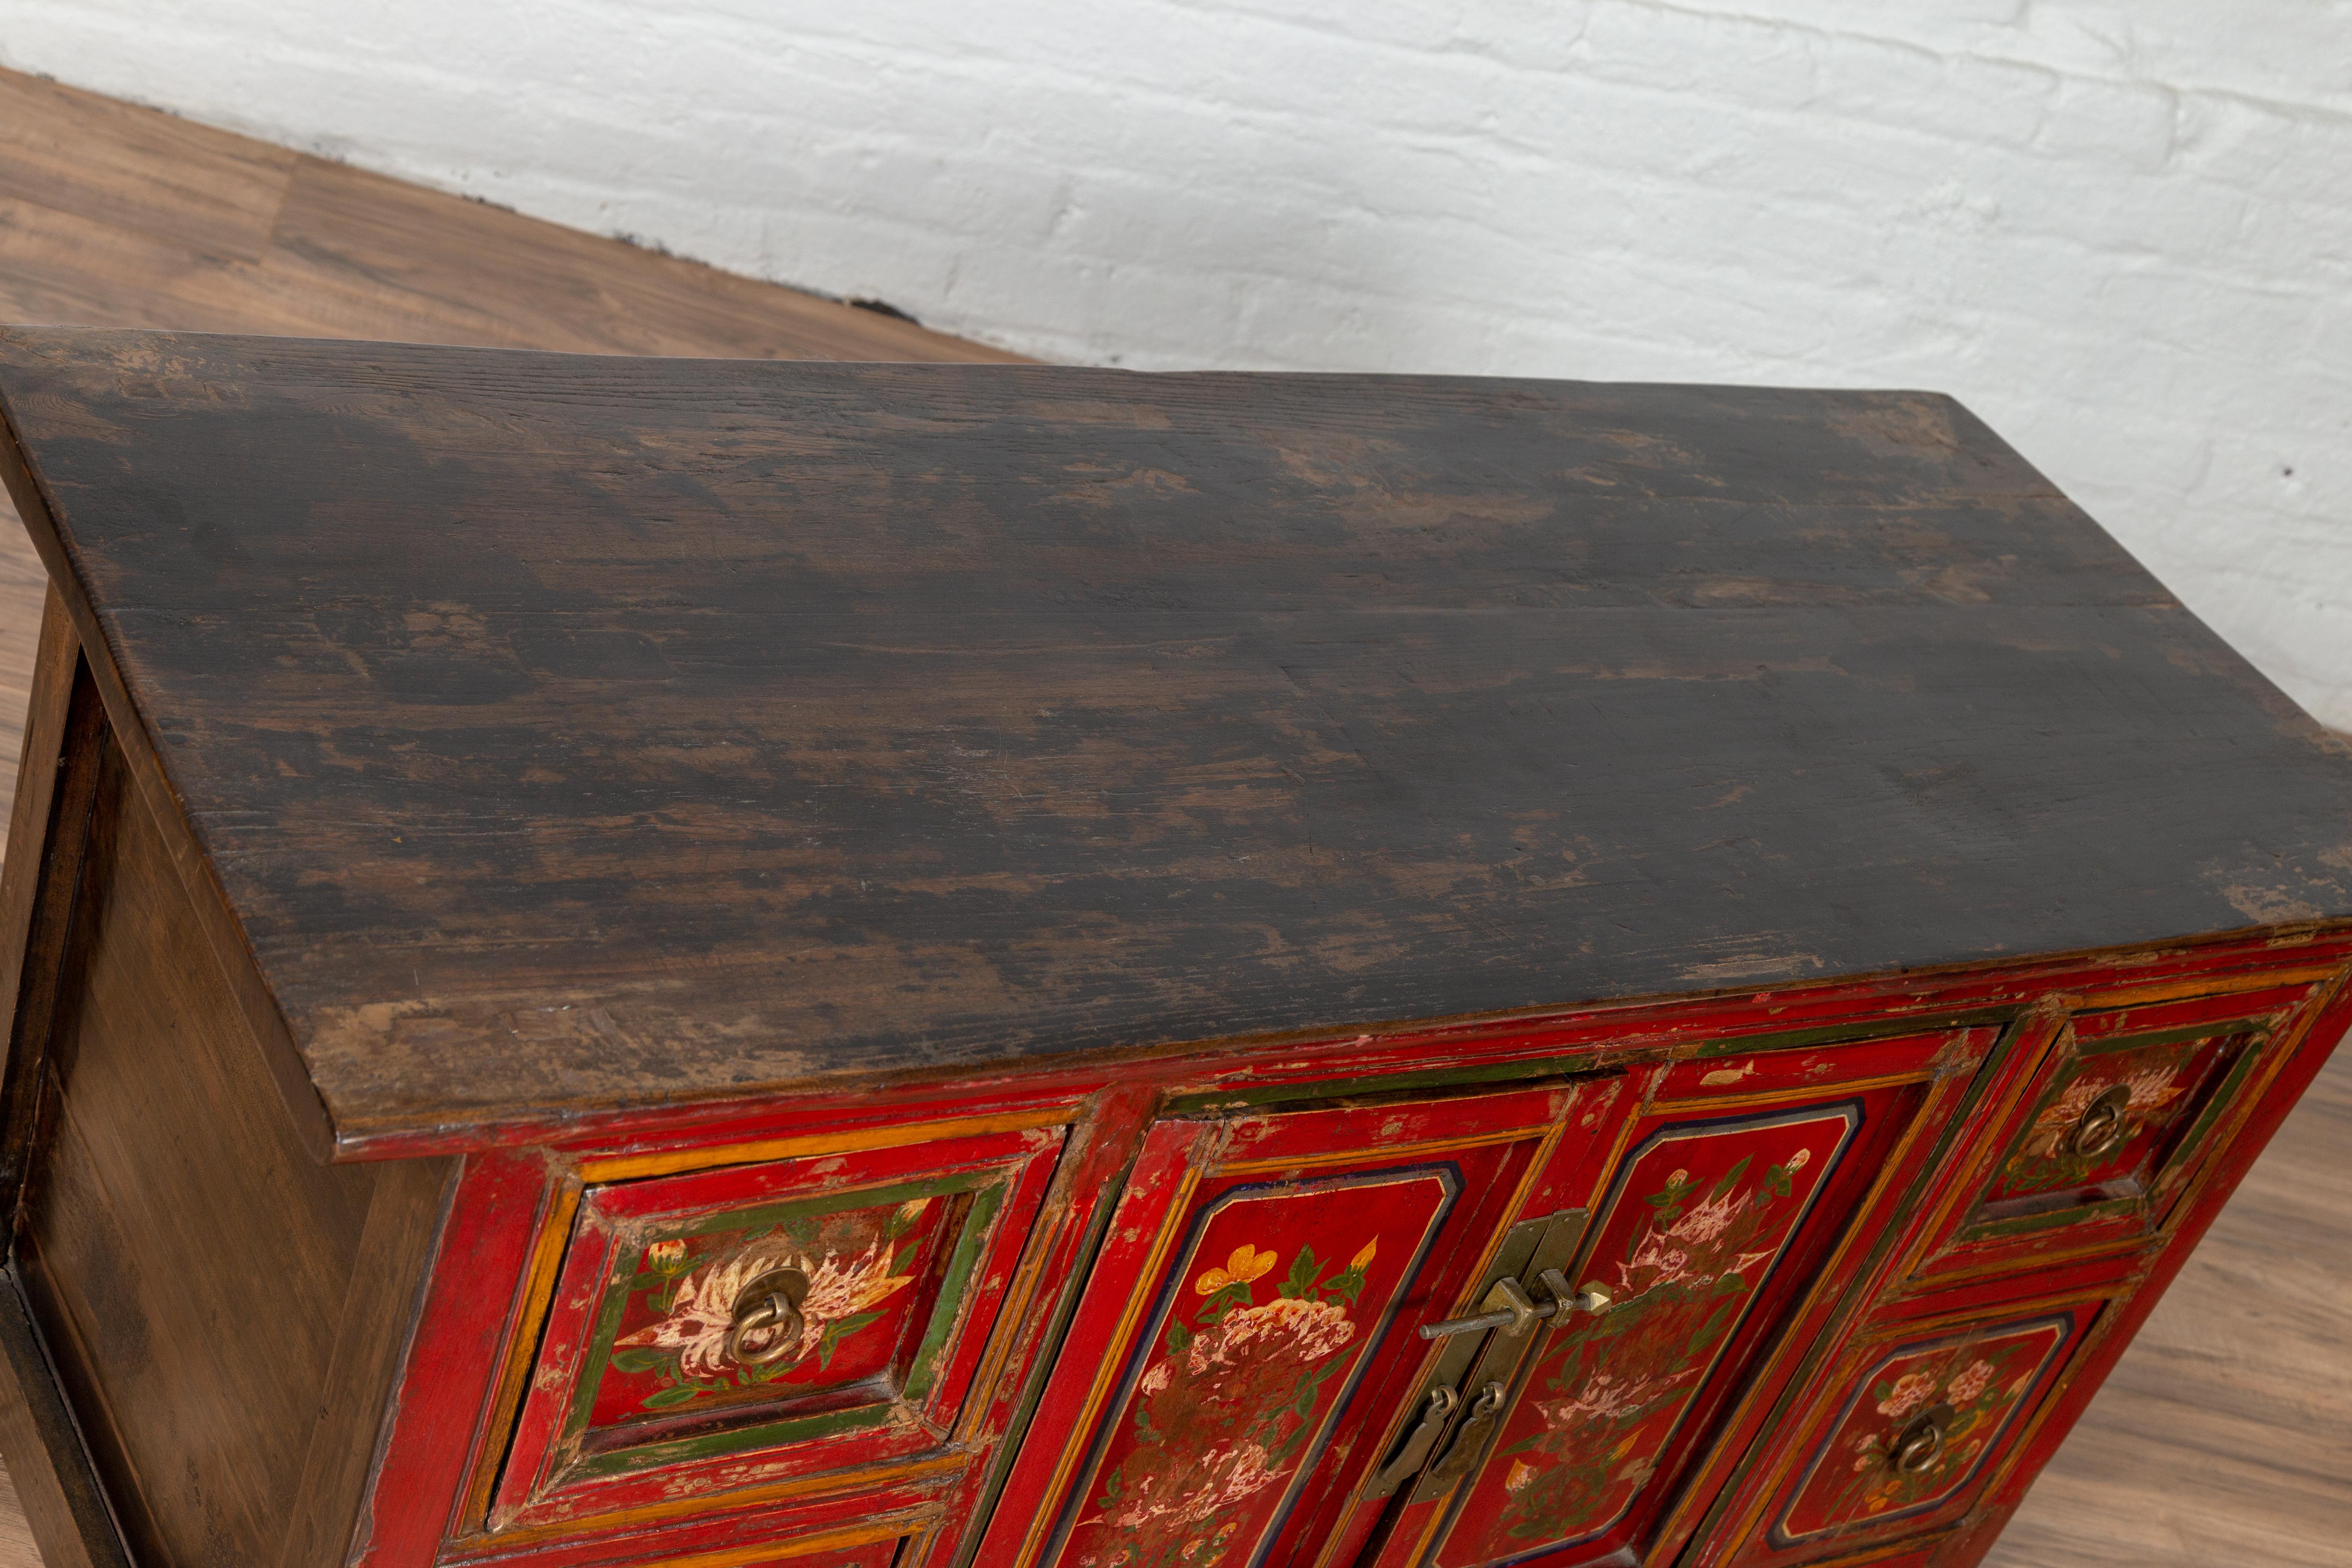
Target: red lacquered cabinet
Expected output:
[635,963]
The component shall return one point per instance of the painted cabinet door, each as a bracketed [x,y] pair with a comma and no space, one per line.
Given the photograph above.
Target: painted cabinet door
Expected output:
[1244,1348]
[1745,1196]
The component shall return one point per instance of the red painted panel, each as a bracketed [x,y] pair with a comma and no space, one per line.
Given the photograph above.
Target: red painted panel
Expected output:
[1247,1325]
[1986,1377]
[636,1398]
[870,1272]
[2185,1070]
[434,1424]
[2162,1085]
[1701,1215]
[467,1313]
[1249,1360]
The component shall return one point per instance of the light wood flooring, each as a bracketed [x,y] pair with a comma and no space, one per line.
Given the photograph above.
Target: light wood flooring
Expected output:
[2225,1435]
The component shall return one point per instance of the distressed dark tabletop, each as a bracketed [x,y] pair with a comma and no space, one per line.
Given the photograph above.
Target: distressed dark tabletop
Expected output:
[572,731]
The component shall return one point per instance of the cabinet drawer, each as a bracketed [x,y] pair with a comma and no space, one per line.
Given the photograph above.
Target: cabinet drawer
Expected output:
[1912,1421]
[2112,1128]
[730,1328]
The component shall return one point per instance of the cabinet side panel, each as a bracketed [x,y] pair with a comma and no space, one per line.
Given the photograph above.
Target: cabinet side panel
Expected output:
[380,1312]
[186,1259]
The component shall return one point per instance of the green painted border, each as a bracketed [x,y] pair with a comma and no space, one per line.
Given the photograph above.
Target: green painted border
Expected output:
[2261,1032]
[989,1189]
[1594,1062]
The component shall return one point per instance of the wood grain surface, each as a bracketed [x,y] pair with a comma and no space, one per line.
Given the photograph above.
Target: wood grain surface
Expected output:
[2224,1435]
[581,732]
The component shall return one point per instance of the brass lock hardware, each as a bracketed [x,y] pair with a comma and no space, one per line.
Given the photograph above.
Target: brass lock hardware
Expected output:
[1436,1412]
[1921,1443]
[2103,1124]
[1457,1428]
[768,1315]
[1470,1438]
[1509,1306]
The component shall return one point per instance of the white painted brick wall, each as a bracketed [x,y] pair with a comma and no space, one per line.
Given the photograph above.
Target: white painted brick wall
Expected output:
[2122,232]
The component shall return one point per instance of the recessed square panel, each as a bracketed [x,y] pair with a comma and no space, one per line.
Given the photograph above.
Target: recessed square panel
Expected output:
[2110,1116]
[1919,1422]
[2111,1130]
[718,1330]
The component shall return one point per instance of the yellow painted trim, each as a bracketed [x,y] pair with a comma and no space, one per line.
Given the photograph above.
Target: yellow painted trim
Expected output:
[1793,1093]
[1012,1317]
[637,1167]
[547,1253]
[1080,1436]
[1914,1286]
[800,1545]
[857,1479]
[1385,1153]
[2212,986]
[2042,1031]
[1894,1330]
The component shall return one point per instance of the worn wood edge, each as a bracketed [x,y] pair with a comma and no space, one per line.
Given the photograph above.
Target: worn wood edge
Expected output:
[380,1308]
[534,1300]
[891,1135]
[371,1138]
[224,932]
[24,879]
[42,1445]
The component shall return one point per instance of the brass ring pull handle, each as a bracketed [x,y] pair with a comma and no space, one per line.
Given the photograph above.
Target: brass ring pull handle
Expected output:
[768,1314]
[2103,1124]
[1921,1444]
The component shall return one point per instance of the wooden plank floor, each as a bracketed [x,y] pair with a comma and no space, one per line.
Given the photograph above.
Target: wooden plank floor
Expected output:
[2225,1435]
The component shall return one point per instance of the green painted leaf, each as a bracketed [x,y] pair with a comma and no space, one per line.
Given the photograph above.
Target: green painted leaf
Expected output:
[1236,1294]
[1710,1330]
[1730,1178]
[1728,1284]
[1348,1284]
[1179,1339]
[636,1359]
[669,1396]
[1303,1270]
[837,1331]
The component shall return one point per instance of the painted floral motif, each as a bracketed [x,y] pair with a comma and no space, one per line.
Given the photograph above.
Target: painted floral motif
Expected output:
[1979,1380]
[1604,1398]
[1224,1408]
[2155,1076]
[855,1263]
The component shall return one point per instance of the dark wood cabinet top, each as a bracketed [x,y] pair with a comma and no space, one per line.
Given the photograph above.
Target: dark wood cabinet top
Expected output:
[570,731]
